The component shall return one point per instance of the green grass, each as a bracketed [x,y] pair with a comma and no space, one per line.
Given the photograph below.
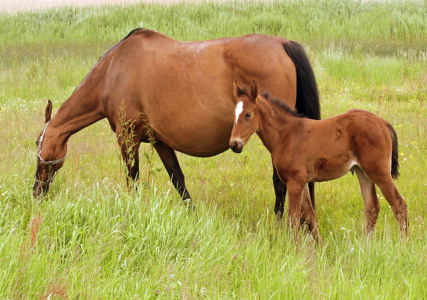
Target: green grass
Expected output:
[93,238]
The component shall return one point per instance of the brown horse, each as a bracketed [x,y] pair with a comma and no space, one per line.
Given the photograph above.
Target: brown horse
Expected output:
[167,85]
[305,150]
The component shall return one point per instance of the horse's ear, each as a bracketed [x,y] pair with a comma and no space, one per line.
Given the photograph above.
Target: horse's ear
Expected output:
[254,90]
[48,111]
[238,91]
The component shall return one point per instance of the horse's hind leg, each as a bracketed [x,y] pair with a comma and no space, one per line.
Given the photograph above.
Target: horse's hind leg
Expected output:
[370,198]
[280,191]
[170,161]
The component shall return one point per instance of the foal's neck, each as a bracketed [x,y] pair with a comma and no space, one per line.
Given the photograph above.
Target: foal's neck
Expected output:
[277,126]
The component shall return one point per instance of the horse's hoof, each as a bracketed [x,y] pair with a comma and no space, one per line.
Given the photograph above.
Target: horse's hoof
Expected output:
[189,204]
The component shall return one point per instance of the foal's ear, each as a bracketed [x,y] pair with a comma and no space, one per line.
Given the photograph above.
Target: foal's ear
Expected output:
[238,91]
[48,111]
[254,90]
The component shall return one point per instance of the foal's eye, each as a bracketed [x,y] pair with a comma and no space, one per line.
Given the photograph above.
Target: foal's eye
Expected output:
[248,115]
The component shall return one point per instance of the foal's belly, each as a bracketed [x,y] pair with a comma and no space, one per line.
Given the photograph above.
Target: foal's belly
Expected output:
[324,169]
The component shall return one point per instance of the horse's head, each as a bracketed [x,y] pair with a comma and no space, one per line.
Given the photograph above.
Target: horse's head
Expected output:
[246,116]
[50,156]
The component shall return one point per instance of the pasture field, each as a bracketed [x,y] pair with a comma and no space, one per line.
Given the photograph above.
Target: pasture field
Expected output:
[94,238]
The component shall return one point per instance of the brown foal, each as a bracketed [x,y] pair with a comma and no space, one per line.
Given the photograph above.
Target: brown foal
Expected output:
[305,150]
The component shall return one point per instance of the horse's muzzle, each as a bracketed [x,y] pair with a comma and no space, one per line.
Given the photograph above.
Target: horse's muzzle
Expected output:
[236,146]
[39,190]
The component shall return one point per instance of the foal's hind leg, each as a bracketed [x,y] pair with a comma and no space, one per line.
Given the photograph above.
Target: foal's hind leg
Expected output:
[370,198]
[396,201]
[170,161]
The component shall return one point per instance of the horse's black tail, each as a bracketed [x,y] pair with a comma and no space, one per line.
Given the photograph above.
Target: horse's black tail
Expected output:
[307,94]
[394,152]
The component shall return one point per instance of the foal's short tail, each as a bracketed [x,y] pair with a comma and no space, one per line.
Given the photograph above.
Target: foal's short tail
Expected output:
[394,153]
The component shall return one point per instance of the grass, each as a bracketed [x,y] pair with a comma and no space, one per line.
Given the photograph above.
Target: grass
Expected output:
[93,238]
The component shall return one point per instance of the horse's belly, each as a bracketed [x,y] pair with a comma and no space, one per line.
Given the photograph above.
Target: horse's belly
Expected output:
[201,137]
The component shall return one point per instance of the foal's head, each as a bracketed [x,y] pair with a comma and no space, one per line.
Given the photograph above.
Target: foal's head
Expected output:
[246,116]
[50,157]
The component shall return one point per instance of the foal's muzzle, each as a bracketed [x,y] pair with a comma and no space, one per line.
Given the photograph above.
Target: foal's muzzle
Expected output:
[236,146]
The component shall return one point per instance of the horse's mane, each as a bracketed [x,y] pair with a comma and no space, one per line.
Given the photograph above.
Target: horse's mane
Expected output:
[106,53]
[282,105]
[111,49]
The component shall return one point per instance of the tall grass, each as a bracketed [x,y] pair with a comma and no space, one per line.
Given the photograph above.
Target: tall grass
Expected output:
[94,238]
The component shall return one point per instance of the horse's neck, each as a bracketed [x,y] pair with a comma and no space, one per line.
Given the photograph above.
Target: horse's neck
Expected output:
[276,126]
[77,112]
[84,107]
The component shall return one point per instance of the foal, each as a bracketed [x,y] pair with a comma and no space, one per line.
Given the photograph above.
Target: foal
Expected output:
[306,150]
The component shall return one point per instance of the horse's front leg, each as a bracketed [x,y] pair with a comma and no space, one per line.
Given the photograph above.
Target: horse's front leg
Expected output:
[130,154]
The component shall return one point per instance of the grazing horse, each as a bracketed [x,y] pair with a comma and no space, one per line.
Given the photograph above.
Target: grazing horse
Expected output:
[305,150]
[152,81]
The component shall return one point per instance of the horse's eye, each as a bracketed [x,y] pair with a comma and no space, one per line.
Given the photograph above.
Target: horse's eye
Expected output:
[248,115]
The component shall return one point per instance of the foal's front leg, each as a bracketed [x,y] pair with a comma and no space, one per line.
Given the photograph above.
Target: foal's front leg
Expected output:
[308,214]
[295,190]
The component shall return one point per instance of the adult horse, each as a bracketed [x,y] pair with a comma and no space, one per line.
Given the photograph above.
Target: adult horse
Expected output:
[182,92]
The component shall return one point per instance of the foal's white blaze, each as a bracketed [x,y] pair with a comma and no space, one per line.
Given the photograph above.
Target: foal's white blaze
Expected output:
[238,111]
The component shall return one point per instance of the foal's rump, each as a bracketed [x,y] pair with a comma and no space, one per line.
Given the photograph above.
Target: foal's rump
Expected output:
[375,138]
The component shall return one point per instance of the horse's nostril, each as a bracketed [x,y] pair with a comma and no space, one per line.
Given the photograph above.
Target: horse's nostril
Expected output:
[235,146]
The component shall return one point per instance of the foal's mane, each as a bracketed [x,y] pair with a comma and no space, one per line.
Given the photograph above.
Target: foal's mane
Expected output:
[282,105]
